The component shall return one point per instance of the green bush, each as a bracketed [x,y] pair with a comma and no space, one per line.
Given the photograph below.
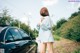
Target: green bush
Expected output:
[60,22]
[57,38]
[71,29]
[77,51]
[57,32]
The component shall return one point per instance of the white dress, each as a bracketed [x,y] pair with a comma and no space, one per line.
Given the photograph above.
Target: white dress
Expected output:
[45,34]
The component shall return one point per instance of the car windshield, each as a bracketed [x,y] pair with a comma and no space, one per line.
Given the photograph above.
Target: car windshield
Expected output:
[15,33]
[23,33]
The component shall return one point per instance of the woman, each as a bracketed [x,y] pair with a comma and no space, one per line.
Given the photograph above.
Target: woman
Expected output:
[45,35]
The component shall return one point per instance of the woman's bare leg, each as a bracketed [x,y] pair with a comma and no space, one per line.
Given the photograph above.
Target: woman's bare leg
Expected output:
[50,47]
[43,47]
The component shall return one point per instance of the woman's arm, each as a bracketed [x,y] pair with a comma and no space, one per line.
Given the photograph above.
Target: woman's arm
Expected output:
[47,24]
[38,25]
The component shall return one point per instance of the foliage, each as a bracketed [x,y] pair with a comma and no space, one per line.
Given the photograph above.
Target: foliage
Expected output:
[77,51]
[35,32]
[57,32]
[15,23]
[60,22]
[54,28]
[57,38]
[75,14]
[5,19]
[71,29]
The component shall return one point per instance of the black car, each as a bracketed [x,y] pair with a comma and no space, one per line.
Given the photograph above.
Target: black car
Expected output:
[15,40]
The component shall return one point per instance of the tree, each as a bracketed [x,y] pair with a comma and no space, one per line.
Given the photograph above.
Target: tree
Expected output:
[60,22]
[79,10]
[73,15]
[5,19]
[35,32]
[15,23]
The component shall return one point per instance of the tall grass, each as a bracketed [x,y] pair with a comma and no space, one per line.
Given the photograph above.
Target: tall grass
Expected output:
[57,38]
[77,51]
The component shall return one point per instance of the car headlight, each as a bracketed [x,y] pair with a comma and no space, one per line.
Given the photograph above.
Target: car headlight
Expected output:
[1,50]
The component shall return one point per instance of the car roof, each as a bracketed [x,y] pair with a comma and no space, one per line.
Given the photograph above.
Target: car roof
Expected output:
[2,27]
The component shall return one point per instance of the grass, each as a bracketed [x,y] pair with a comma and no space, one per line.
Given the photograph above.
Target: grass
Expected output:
[77,51]
[57,38]
[66,46]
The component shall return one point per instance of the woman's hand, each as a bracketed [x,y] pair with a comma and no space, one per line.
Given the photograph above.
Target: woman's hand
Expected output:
[40,21]
[38,25]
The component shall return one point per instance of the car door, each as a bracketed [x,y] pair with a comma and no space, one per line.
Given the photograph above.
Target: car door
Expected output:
[31,46]
[9,42]
[26,39]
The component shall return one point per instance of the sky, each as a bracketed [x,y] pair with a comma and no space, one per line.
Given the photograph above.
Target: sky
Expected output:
[24,9]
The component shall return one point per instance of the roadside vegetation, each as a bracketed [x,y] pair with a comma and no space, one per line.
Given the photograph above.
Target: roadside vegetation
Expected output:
[67,34]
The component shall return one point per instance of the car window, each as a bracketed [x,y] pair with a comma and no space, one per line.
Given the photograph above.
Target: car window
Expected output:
[15,33]
[23,33]
[2,35]
[8,37]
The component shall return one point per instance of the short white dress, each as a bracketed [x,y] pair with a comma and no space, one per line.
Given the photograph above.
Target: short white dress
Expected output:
[45,34]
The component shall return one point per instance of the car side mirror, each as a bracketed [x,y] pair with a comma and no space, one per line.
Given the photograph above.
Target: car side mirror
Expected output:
[33,38]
